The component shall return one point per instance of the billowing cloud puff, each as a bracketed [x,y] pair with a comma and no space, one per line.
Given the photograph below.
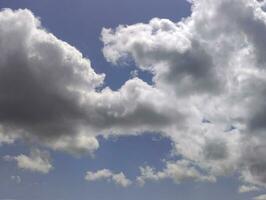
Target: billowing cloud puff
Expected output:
[247,188]
[105,174]
[37,161]
[41,79]
[213,64]
[168,51]
[50,94]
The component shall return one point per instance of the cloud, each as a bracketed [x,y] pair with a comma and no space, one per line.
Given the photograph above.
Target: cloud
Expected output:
[76,146]
[105,174]
[213,64]
[177,171]
[261,197]
[247,188]
[42,79]
[16,179]
[37,161]
[209,66]
[168,51]
[51,95]
[6,139]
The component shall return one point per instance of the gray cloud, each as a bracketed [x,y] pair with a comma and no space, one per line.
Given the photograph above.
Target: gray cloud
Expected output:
[213,63]
[177,59]
[207,66]
[41,78]
[215,150]
[50,94]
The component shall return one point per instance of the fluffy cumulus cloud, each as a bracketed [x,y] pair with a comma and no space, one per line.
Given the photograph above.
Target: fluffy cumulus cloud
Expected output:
[51,95]
[37,161]
[42,79]
[207,95]
[177,171]
[247,188]
[213,64]
[105,174]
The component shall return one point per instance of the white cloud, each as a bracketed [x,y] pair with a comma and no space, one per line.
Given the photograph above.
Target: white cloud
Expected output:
[105,174]
[209,66]
[77,145]
[16,179]
[247,188]
[177,171]
[101,174]
[213,64]
[120,179]
[37,161]
[6,139]
[51,94]
[261,197]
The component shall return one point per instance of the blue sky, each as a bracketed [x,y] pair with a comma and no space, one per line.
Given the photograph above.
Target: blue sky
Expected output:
[79,23]
[66,180]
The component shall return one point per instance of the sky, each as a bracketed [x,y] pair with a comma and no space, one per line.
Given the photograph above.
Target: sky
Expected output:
[126,100]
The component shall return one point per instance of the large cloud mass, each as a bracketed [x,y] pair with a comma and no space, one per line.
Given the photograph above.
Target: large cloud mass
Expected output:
[213,64]
[208,91]
[49,92]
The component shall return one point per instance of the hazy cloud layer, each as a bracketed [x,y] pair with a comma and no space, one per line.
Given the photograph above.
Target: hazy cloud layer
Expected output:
[247,188]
